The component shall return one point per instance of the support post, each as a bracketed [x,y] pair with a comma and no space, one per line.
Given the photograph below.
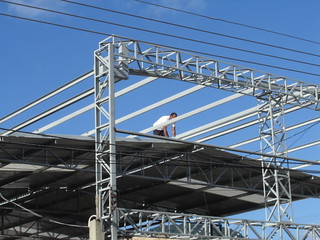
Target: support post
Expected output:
[110,65]
[112,148]
[275,173]
[95,231]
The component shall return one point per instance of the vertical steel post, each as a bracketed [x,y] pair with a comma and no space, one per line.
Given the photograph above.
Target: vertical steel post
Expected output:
[96,229]
[106,196]
[98,139]
[275,173]
[112,148]
[109,65]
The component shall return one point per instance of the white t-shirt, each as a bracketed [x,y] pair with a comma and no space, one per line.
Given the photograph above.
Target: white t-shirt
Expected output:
[162,120]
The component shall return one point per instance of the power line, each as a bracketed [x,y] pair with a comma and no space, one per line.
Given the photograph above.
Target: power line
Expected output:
[56,24]
[188,27]
[188,50]
[227,21]
[298,133]
[165,34]
[41,216]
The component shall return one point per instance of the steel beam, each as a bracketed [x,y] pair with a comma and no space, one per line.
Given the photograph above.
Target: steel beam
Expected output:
[155,60]
[107,71]
[178,225]
[48,96]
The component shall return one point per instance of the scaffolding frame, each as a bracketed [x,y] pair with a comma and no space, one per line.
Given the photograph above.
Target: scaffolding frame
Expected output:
[117,57]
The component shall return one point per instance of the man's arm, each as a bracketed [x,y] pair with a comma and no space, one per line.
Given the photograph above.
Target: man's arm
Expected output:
[173,131]
[165,132]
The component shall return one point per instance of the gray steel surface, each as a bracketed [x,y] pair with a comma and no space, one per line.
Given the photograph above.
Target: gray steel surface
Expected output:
[54,178]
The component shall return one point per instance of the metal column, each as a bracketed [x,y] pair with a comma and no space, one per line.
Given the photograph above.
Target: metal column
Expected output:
[277,189]
[106,65]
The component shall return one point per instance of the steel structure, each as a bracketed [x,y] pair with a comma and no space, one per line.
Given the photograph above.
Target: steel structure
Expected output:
[184,225]
[48,190]
[116,56]
[277,187]
[171,163]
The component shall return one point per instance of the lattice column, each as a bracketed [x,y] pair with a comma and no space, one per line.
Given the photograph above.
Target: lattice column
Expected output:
[108,68]
[276,181]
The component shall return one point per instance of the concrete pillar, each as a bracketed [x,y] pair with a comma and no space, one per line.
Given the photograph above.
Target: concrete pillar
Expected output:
[95,229]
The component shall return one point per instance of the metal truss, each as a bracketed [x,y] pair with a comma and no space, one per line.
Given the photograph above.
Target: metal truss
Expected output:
[154,60]
[277,189]
[175,225]
[51,110]
[22,222]
[288,128]
[117,57]
[214,173]
[27,154]
[32,229]
[107,71]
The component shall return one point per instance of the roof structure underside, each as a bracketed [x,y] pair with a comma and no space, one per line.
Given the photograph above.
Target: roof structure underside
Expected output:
[48,183]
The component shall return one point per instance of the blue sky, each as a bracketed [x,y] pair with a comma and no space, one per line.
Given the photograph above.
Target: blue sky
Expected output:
[37,58]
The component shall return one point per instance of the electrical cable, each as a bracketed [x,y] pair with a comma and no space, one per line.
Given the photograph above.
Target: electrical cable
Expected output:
[187,27]
[302,132]
[36,213]
[56,24]
[183,49]
[177,162]
[40,216]
[165,34]
[83,226]
[227,21]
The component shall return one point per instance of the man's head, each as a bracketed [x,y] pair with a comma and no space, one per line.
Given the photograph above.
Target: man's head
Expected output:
[173,115]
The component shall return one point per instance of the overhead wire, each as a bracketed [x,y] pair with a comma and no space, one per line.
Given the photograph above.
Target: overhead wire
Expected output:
[228,21]
[187,163]
[287,138]
[302,132]
[162,33]
[75,28]
[55,24]
[183,49]
[10,2]
[18,204]
[187,27]
[41,216]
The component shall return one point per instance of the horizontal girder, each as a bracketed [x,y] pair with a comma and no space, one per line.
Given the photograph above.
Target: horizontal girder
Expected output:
[153,60]
[137,222]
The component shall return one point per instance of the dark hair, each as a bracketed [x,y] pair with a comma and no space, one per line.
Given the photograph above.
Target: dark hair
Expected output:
[173,114]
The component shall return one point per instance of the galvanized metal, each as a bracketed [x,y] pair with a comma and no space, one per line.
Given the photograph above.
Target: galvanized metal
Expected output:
[118,57]
[105,76]
[175,225]
[277,186]
[274,91]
